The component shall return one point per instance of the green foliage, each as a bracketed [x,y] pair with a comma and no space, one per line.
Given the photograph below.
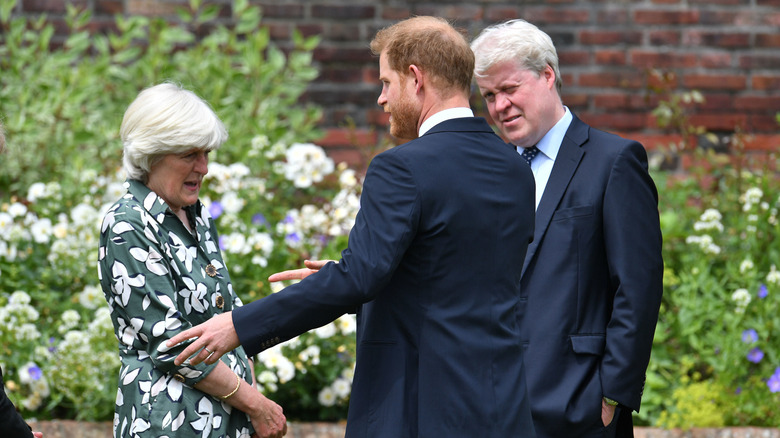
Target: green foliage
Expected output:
[277,198]
[716,349]
[65,104]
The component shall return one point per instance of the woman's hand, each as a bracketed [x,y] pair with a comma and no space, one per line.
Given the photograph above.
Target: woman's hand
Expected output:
[269,420]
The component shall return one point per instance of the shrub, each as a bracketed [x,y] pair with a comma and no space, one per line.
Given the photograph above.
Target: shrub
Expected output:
[277,198]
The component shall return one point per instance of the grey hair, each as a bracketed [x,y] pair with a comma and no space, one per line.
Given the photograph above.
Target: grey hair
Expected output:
[166,119]
[517,41]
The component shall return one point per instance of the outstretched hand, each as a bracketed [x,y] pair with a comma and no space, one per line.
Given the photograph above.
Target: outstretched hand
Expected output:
[213,338]
[312,266]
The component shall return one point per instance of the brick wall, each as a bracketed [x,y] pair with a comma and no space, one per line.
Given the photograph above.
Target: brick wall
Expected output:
[727,49]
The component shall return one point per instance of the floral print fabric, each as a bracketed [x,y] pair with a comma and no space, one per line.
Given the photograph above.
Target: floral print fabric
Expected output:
[160,279]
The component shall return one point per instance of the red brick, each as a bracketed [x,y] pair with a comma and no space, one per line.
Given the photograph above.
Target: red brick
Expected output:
[768,61]
[615,121]
[613,16]
[664,37]
[768,40]
[716,60]
[757,103]
[719,122]
[495,14]
[339,137]
[109,7]
[284,10]
[611,57]
[647,59]
[620,101]
[595,37]
[343,12]
[343,54]
[556,15]
[762,142]
[714,81]
[153,8]
[763,123]
[717,39]
[765,82]
[645,16]
[611,79]
[575,100]
[571,58]
[395,13]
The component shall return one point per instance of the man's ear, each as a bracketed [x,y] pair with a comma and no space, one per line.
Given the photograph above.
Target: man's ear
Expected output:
[417,75]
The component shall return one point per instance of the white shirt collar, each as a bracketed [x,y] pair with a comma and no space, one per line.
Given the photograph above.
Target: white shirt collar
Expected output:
[550,144]
[451,113]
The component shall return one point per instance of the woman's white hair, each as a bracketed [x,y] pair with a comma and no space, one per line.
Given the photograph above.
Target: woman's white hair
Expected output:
[166,119]
[517,41]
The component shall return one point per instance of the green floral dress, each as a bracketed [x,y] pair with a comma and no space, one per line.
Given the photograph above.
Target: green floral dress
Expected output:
[160,279]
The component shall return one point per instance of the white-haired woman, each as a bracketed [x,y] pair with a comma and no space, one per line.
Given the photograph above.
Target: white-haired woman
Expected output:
[162,272]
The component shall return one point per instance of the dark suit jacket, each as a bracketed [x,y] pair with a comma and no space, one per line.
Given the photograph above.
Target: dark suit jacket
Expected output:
[593,282]
[433,263]
[12,425]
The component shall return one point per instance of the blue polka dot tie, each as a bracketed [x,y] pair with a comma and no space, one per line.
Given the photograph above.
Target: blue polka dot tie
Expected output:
[529,154]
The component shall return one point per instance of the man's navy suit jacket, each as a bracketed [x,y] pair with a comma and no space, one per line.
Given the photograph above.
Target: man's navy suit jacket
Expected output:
[593,282]
[433,267]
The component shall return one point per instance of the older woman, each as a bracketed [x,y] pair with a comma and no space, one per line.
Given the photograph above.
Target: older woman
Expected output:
[162,272]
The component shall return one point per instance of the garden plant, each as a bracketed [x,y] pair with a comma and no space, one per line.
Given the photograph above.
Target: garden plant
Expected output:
[279,199]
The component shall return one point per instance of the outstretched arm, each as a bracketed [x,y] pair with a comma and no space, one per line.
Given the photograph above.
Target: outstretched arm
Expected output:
[210,340]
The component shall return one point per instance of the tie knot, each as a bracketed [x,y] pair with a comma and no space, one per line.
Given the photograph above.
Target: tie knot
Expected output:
[529,154]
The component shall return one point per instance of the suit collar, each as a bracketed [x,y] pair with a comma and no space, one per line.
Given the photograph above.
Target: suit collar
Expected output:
[569,156]
[464,124]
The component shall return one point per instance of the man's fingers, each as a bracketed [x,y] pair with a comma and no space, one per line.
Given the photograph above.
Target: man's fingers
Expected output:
[316,264]
[293,274]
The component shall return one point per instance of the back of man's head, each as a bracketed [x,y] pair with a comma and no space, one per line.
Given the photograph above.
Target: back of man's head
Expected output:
[433,45]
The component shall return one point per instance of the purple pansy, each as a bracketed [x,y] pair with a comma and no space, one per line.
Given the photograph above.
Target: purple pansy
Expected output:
[749,336]
[762,291]
[35,372]
[216,209]
[774,382]
[755,355]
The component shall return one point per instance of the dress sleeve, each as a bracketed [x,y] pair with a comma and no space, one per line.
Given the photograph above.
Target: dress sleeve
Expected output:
[139,279]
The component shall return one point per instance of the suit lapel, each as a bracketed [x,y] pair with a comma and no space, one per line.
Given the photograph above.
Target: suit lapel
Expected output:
[566,163]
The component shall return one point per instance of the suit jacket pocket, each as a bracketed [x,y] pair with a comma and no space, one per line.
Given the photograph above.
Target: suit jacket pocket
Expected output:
[588,344]
[572,212]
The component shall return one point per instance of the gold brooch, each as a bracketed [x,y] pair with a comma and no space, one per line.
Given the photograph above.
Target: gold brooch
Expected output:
[220,301]
[211,271]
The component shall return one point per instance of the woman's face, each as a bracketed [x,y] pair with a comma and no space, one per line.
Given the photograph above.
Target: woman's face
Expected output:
[177,178]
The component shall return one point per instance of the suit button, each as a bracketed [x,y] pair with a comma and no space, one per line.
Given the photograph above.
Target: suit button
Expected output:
[179,377]
[220,301]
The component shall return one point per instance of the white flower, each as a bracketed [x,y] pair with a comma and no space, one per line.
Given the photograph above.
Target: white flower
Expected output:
[232,203]
[325,331]
[773,276]
[236,243]
[327,396]
[311,353]
[84,215]
[91,297]
[26,332]
[36,191]
[17,209]
[347,323]
[742,298]
[41,230]
[6,223]
[745,266]
[342,387]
